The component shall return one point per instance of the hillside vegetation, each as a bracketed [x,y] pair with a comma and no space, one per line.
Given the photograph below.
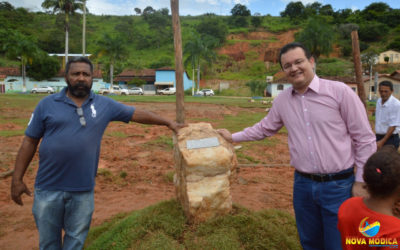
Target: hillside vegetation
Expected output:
[237,47]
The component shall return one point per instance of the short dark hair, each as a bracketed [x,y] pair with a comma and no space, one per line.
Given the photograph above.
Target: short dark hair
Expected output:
[382,172]
[76,60]
[387,84]
[291,46]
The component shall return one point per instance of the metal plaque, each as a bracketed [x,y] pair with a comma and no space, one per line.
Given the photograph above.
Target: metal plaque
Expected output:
[202,143]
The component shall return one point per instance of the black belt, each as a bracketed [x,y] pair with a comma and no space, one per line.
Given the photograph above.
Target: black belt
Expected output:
[326,177]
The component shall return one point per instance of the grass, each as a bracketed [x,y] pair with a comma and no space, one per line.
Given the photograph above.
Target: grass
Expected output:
[117,134]
[218,100]
[240,121]
[162,141]
[26,102]
[11,133]
[169,176]
[334,67]
[163,226]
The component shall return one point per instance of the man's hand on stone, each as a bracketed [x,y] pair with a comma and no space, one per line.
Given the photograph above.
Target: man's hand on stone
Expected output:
[176,126]
[226,134]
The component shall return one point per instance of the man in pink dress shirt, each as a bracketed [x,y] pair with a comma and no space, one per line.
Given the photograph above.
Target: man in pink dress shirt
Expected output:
[328,135]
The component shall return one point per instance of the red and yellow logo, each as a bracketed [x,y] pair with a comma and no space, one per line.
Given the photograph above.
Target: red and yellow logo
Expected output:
[370,230]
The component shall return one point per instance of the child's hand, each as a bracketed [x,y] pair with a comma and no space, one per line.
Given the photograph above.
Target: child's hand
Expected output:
[396,209]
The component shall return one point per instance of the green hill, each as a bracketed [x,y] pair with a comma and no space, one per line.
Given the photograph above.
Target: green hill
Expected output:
[149,42]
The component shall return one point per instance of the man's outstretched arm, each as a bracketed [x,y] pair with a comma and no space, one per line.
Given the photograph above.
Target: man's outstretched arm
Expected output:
[147,117]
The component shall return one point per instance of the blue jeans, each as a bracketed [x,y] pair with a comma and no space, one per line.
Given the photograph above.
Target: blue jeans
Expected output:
[57,210]
[316,205]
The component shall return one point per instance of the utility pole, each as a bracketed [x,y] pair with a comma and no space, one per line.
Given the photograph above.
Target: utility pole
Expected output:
[357,67]
[193,82]
[84,29]
[180,112]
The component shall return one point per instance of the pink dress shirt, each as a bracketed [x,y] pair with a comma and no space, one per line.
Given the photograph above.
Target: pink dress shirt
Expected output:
[328,128]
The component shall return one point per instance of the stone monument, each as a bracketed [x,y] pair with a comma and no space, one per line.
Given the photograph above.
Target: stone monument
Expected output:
[204,167]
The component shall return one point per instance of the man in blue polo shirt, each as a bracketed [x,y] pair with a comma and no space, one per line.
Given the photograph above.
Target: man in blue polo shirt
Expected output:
[71,125]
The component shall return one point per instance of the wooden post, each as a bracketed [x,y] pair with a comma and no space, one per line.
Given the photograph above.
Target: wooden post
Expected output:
[357,67]
[180,112]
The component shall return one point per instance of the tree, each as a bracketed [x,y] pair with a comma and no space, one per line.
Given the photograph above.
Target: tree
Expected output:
[138,11]
[342,15]
[326,10]
[68,7]
[213,27]
[161,62]
[294,10]
[113,50]
[346,29]
[392,18]
[375,11]
[369,58]
[395,45]
[312,9]
[317,36]
[240,10]
[386,58]
[159,23]
[239,15]
[256,87]
[198,50]
[22,47]
[372,31]
[256,21]
[148,10]
[43,67]
[6,6]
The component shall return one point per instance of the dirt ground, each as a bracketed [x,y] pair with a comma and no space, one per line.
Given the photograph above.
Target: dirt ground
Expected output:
[135,171]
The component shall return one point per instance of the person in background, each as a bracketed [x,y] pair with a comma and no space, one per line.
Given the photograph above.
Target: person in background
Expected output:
[70,126]
[382,178]
[328,135]
[387,116]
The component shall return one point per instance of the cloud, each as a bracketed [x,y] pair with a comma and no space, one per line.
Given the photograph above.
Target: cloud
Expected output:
[32,5]
[354,8]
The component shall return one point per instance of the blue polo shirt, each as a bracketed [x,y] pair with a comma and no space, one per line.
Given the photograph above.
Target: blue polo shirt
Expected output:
[69,152]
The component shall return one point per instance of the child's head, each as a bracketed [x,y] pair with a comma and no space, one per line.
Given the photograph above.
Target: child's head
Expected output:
[382,173]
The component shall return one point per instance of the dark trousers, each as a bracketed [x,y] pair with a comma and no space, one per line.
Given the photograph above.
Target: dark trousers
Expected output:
[393,140]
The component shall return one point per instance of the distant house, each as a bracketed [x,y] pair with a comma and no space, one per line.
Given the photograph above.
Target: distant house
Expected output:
[275,88]
[12,81]
[147,75]
[155,79]
[394,56]
[276,84]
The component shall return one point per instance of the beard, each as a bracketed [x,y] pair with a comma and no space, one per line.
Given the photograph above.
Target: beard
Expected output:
[80,89]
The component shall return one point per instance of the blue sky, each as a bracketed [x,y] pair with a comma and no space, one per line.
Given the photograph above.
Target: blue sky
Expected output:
[198,7]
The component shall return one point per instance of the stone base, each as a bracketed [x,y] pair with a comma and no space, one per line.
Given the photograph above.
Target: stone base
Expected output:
[203,175]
